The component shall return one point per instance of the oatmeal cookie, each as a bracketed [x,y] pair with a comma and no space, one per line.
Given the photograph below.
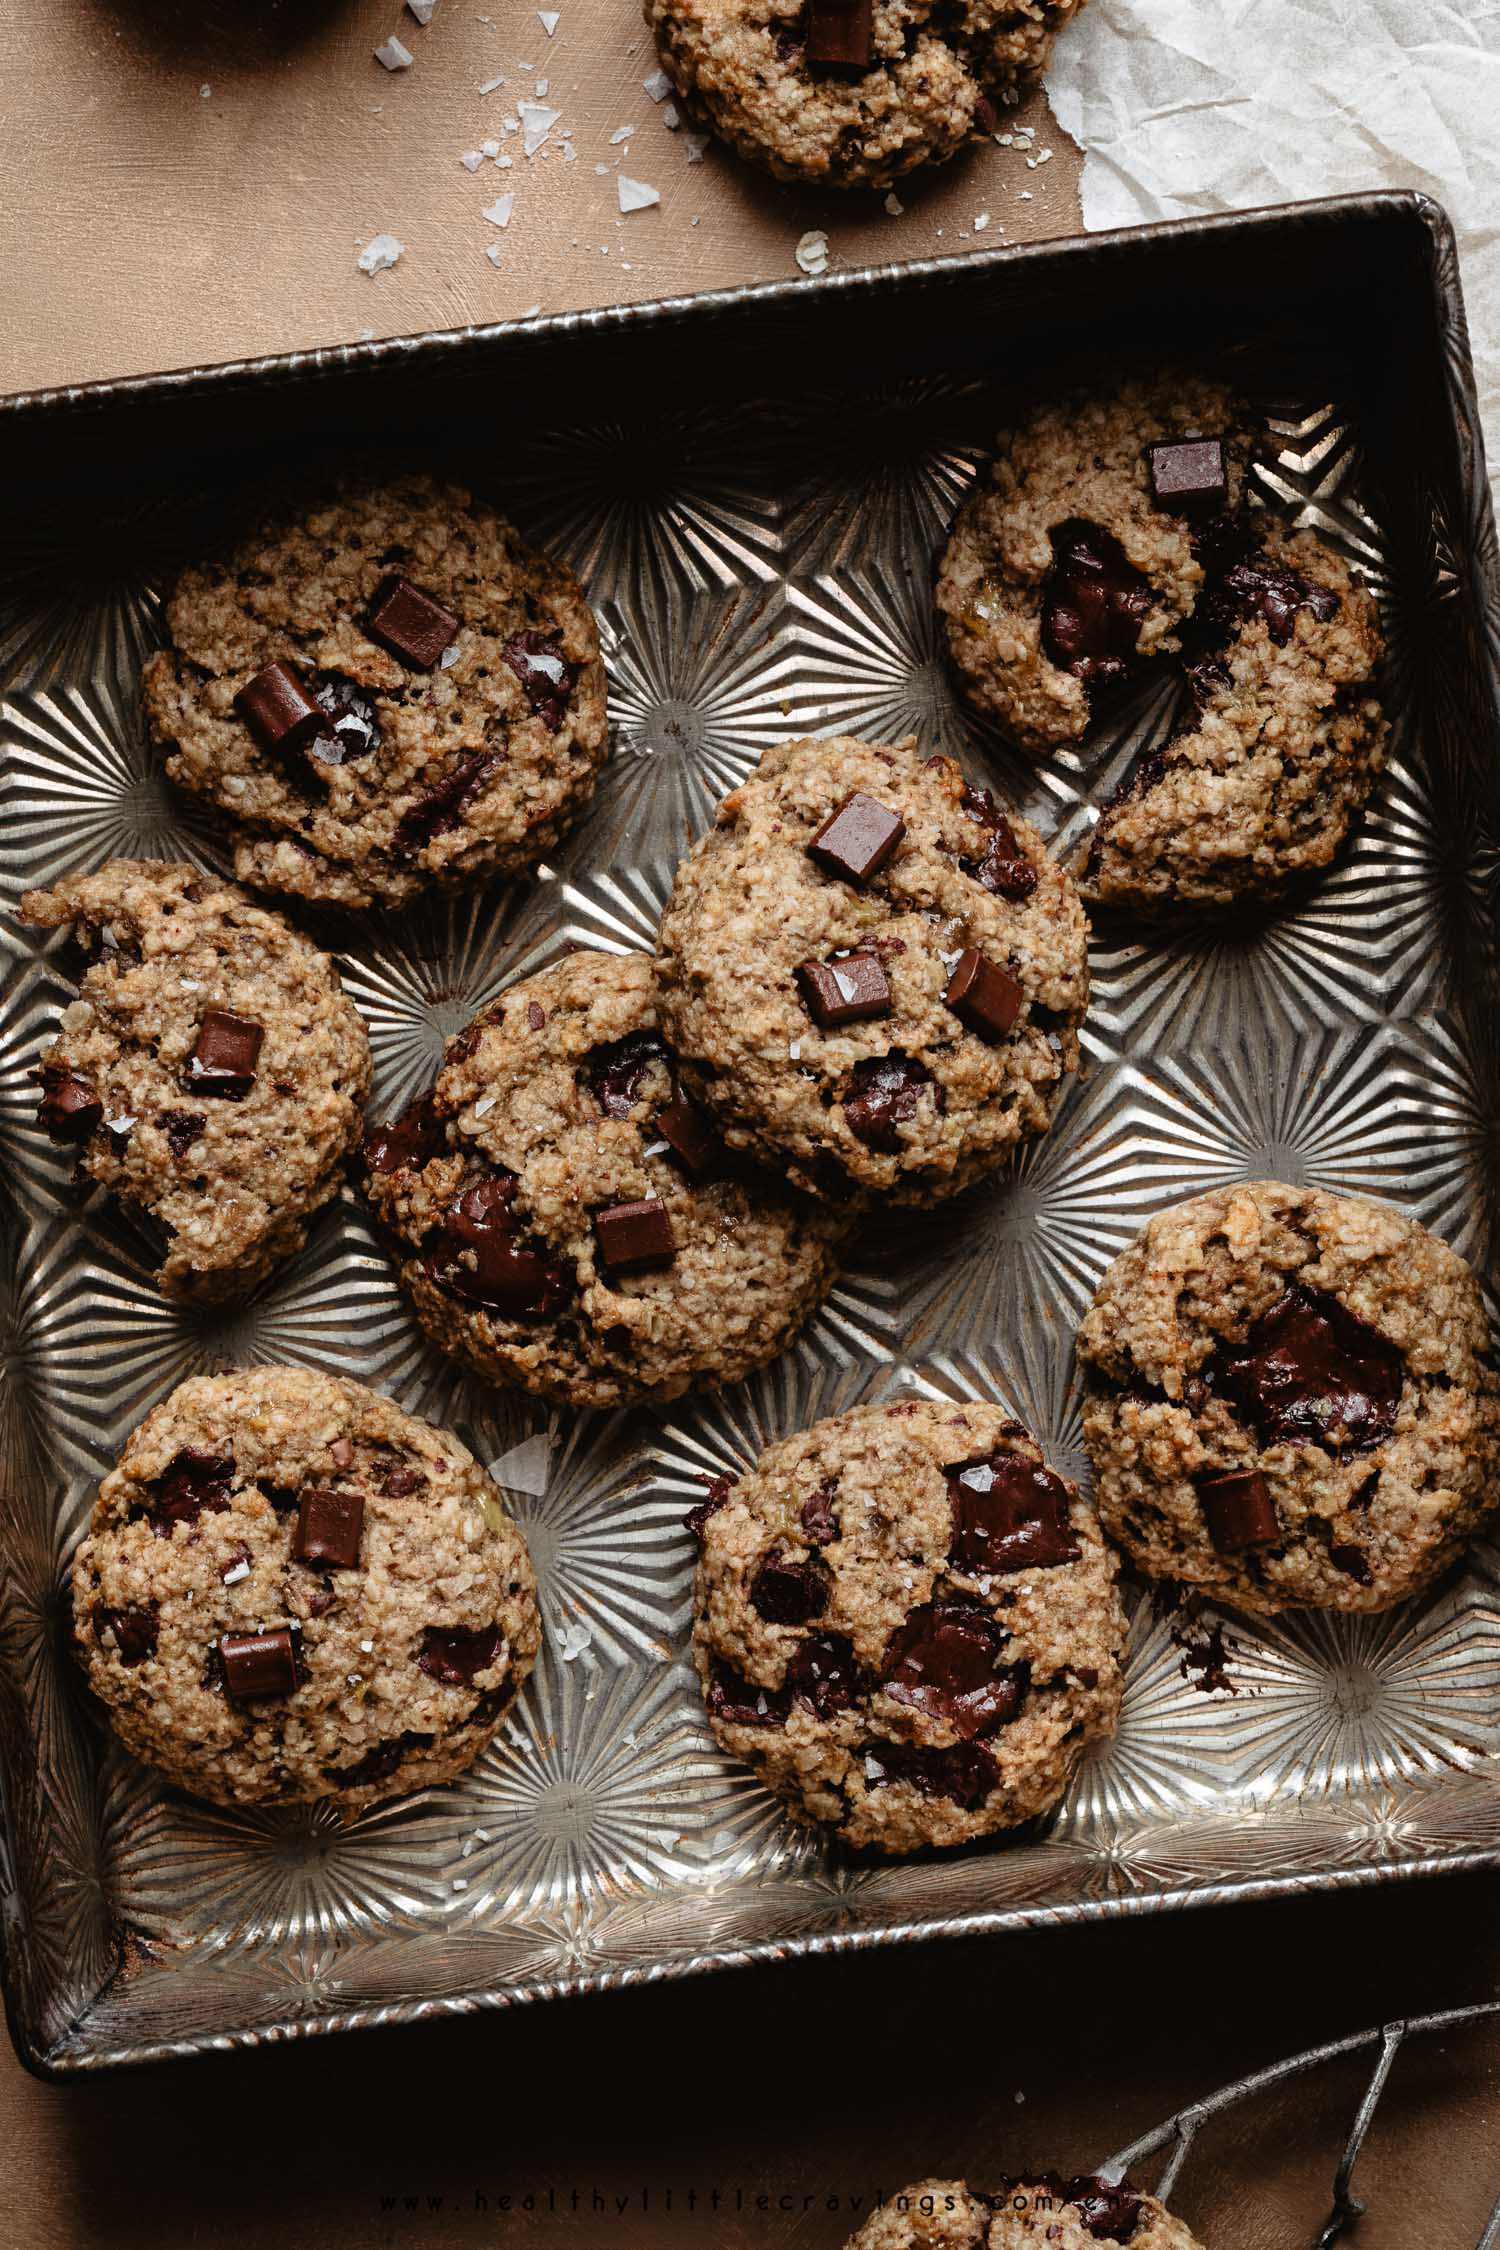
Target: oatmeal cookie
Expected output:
[211,1072]
[907,1624]
[1065,2215]
[1290,1400]
[291,1590]
[874,977]
[852,93]
[381,689]
[568,1220]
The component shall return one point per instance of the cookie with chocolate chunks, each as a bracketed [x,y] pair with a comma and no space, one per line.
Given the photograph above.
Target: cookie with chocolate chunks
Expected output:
[1289,1400]
[290,1589]
[874,976]
[907,1623]
[380,689]
[1043,2209]
[211,1071]
[567,1218]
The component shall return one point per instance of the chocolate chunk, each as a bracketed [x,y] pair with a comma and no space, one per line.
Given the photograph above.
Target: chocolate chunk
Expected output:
[328,1528]
[740,1702]
[1093,605]
[847,988]
[412,1140]
[786,1592]
[965,1772]
[256,1666]
[1311,1372]
[1188,475]
[841,34]
[545,673]
[1256,589]
[224,1059]
[355,730]
[1008,1514]
[135,1631]
[235,1566]
[688,1133]
[824,1674]
[713,1500]
[182,1127]
[456,1656]
[1239,1511]
[1003,867]
[378,1764]
[857,839]
[983,995]
[69,1110]
[1110,2213]
[194,1480]
[883,1096]
[477,1254]
[278,710]
[1353,1561]
[819,1523]
[614,1072]
[399,1484]
[944,1660]
[410,624]
[634,1237]
[439,807]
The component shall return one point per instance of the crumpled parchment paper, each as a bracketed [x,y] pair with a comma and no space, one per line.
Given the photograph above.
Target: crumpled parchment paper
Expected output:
[1187,106]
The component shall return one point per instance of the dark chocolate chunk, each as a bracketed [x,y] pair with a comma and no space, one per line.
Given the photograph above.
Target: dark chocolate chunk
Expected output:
[410,624]
[857,839]
[1003,867]
[278,710]
[1109,2212]
[192,1481]
[820,1524]
[412,1140]
[690,1136]
[398,1484]
[1008,1514]
[713,1500]
[135,1631]
[824,1674]
[883,1095]
[1353,1561]
[1311,1372]
[983,995]
[545,673]
[477,1254]
[965,1772]
[69,1110]
[614,1073]
[1093,605]
[255,1666]
[1239,1511]
[456,1656]
[328,1528]
[1254,588]
[786,1592]
[182,1127]
[740,1702]
[944,1660]
[634,1237]
[841,34]
[440,805]
[1188,475]
[223,1061]
[848,988]
[355,728]
[378,1764]
[235,1566]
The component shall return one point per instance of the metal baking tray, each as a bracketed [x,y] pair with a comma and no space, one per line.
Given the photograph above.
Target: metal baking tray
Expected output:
[754,487]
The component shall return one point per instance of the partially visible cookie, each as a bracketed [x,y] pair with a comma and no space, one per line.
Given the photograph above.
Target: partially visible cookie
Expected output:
[381,689]
[874,977]
[568,1220]
[211,1071]
[1291,1400]
[1072,2215]
[290,1589]
[907,1624]
[852,93]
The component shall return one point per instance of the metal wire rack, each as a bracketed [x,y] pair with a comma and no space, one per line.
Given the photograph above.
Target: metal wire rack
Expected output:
[1179,2132]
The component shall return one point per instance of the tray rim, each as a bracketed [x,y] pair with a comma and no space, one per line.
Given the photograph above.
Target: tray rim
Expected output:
[63,2060]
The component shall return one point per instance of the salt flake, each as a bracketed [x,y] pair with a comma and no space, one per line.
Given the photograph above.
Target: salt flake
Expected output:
[620,133]
[423,10]
[548,18]
[492,85]
[894,204]
[537,121]
[695,144]
[380,253]
[493,252]
[471,159]
[500,210]
[636,195]
[391,55]
[527,1466]
[812,251]
[658,85]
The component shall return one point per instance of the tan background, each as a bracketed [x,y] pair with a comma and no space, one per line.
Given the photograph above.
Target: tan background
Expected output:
[145,225]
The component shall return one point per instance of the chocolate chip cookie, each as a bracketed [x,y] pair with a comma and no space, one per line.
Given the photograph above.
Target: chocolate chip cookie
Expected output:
[210,1073]
[907,1624]
[1066,2215]
[568,1219]
[381,690]
[873,976]
[290,1589]
[852,93]
[1291,1400]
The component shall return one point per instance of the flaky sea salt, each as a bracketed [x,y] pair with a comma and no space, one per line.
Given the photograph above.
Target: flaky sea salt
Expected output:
[493,252]
[549,19]
[636,195]
[391,55]
[471,159]
[423,10]
[695,144]
[894,204]
[500,210]
[525,1467]
[381,253]
[492,85]
[537,121]
[812,251]
[671,117]
[658,85]
[620,133]
[572,1639]
[981,221]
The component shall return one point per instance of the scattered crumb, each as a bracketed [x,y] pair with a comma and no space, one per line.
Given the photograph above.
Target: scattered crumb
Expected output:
[500,210]
[894,204]
[636,195]
[812,251]
[380,253]
[658,85]
[391,55]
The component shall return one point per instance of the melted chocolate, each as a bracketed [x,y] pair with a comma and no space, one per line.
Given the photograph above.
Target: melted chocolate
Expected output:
[1311,1372]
